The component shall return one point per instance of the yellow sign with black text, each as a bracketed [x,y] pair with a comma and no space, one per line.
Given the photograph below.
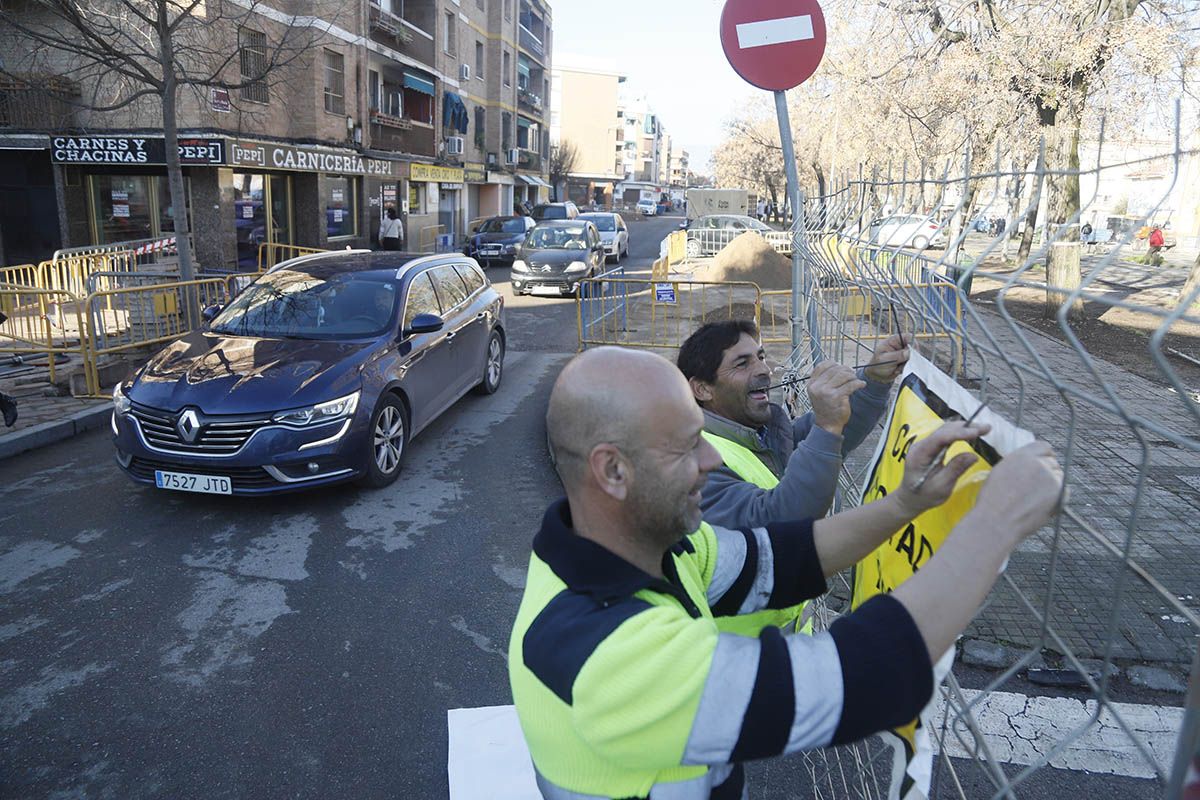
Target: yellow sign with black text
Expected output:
[432,173]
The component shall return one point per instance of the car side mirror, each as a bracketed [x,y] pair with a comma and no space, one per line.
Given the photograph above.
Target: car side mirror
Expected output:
[683,226]
[209,313]
[424,323]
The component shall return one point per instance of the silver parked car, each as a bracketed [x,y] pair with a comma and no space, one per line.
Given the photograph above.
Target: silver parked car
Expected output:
[907,230]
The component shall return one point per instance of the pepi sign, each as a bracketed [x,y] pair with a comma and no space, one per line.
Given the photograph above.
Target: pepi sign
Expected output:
[134,150]
[268,155]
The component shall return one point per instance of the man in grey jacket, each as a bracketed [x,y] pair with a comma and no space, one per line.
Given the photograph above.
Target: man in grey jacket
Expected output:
[727,369]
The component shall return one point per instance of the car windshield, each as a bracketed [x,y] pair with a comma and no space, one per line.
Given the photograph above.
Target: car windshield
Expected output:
[503,225]
[603,222]
[296,305]
[550,212]
[572,238]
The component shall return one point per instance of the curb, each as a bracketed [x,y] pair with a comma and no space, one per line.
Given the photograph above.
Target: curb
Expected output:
[51,432]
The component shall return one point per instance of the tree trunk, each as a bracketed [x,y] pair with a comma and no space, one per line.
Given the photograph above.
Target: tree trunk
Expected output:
[1062,178]
[1035,202]
[1191,289]
[1015,187]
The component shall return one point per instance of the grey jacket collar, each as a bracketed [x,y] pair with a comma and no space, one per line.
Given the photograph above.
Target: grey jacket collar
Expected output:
[779,443]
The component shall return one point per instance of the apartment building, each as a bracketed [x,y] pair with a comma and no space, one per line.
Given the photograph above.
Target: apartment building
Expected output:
[585,112]
[433,107]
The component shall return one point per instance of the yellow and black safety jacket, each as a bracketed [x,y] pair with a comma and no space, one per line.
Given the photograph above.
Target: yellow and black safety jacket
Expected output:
[626,688]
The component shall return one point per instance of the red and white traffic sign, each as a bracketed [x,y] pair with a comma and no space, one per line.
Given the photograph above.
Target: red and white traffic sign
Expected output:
[773,44]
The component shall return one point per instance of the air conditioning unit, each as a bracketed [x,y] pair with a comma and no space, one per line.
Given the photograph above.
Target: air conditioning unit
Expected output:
[454,145]
[464,72]
[513,155]
[492,159]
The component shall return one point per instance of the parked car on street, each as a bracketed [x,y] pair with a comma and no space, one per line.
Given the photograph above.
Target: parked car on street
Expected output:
[907,230]
[708,235]
[549,211]
[321,371]
[556,256]
[613,232]
[647,208]
[498,239]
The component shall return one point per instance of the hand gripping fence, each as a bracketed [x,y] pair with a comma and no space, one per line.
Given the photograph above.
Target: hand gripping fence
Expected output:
[1114,581]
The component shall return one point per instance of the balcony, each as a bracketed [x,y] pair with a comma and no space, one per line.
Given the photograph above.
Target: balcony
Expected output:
[530,42]
[529,160]
[529,100]
[390,25]
[43,107]
[417,138]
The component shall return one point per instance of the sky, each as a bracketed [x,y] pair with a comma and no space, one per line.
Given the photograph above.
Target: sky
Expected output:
[671,51]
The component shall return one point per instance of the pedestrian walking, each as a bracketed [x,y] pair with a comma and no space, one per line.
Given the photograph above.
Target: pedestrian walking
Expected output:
[624,685]
[391,232]
[1155,243]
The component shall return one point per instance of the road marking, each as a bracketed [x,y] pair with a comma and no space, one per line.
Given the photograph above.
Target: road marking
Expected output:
[488,758]
[1019,729]
[774,31]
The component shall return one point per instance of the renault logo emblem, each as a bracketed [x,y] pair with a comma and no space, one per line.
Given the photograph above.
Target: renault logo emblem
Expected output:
[188,425]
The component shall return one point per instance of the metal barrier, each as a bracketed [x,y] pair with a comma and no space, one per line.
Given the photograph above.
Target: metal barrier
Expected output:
[28,331]
[145,251]
[601,306]
[272,253]
[1112,579]
[661,315]
[432,243]
[128,318]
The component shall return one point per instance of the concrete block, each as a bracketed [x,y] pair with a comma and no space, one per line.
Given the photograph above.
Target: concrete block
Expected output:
[1156,678]
[978,653]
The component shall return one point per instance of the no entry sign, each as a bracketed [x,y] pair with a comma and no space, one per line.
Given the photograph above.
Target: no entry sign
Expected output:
[773,44]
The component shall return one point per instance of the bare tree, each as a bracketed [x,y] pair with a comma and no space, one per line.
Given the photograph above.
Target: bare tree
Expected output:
[564,157]
[138,55]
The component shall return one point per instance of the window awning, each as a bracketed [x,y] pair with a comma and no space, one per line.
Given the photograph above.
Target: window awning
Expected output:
[522,68]
[534,180]
[523,123]
[418,84]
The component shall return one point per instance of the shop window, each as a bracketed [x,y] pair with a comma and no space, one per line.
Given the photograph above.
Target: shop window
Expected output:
[335,83]
[252,54]
[416,198]
[166,209]
[122,207]
[341,206]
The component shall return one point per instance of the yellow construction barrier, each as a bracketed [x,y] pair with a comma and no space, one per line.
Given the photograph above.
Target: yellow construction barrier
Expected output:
[29,329]
[431,244]
[676,247]
[659,314]
[272,253]
[125,319]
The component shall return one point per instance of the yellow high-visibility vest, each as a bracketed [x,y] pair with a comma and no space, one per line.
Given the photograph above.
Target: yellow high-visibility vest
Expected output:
[749,468]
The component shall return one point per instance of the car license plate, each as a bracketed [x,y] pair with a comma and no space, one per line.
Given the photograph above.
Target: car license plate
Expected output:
[184,482]
[546,291]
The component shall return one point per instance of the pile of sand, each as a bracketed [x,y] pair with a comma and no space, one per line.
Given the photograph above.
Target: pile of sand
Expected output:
[750,257]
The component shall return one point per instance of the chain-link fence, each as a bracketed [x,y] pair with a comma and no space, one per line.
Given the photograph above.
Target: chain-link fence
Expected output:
[1105,365]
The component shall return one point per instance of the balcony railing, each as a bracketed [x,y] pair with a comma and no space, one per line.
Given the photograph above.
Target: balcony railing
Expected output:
[529,99]
[530,42]
[387,23]
[37,108]
[529,160]
[390,120]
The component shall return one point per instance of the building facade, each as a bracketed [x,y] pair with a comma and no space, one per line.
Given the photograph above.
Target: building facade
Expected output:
[585,113]
[432,107]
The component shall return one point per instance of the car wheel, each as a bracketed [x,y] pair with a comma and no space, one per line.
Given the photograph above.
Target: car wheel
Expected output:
[920,243]
[387,442]
[493,365]
[693,248]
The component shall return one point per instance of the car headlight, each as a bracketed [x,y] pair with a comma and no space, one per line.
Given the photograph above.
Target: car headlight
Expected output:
[121,401]
[520,266]
[322,412]
[577,266]
[510,248]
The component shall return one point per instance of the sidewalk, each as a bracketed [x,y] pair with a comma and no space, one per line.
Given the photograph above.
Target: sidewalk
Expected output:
[42,420]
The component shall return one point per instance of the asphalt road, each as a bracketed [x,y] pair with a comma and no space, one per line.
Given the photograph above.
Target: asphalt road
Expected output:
[170,645]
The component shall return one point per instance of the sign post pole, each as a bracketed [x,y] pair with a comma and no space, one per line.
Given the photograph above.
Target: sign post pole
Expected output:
[802,308]
[777,45]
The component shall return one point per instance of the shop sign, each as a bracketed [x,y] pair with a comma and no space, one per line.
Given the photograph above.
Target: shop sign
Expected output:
[431,173]
[305,159]
[475,173]
[134,150]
